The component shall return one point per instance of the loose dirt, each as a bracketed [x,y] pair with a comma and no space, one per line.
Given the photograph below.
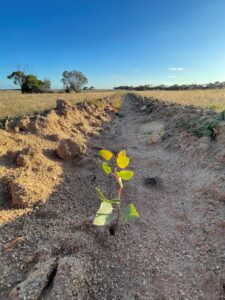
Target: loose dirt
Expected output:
[176,250]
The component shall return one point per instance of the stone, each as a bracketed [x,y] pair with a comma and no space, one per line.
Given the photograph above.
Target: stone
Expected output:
[70,280]
[69,149]
[37,280]
[152,131]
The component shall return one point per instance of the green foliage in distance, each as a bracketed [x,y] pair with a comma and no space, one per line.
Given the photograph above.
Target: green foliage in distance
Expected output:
[115,166]
[29,83]
[73,80]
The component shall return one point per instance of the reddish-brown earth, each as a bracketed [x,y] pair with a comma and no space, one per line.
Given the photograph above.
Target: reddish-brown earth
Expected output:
[49,248]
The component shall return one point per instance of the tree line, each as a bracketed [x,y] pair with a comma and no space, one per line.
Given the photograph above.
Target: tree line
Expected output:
[75,80]
[174,87]
[71,80]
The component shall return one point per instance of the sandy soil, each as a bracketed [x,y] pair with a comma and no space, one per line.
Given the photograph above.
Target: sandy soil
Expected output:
[176,250]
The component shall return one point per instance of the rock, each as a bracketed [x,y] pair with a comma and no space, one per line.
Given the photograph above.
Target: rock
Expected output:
[70,280]
[69,149]
[153,131]
[32,288]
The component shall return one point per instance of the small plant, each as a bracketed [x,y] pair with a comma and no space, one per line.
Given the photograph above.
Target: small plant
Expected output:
[205,129]
[116,169]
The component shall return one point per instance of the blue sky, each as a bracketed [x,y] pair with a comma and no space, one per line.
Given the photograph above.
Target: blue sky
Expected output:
[114,42]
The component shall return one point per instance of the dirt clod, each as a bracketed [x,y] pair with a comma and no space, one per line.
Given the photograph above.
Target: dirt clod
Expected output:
[36,282]
[69,149]
[69,281]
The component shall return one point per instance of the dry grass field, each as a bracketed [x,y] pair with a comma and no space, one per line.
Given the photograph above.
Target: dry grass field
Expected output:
[13,103]
[207,99]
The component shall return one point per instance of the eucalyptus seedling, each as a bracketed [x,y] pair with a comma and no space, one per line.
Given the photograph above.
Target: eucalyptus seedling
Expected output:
[115,167]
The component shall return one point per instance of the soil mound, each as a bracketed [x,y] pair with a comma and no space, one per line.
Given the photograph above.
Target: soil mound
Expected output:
[29,164]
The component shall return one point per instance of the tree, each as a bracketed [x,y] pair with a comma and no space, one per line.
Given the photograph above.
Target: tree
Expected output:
[32,84]
[73,80]
[18,78]
[29,83]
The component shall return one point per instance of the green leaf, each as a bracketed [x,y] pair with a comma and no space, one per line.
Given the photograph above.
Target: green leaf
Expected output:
[106,154]
[101,195]
[130,213]
[125,175]
[122,161]
[104,214]
[107,169]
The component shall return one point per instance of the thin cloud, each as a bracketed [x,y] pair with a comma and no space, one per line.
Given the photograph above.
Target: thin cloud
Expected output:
[176,69]
[172,76]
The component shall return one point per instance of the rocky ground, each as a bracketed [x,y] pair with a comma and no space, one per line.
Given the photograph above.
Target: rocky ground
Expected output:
[49,248]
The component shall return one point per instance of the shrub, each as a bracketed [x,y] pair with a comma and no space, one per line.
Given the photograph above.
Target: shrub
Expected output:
[205,129]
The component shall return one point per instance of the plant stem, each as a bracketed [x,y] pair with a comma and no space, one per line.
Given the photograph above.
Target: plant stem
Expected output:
[118,210]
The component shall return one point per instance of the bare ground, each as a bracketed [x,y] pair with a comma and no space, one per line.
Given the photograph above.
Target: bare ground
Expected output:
[176,250]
